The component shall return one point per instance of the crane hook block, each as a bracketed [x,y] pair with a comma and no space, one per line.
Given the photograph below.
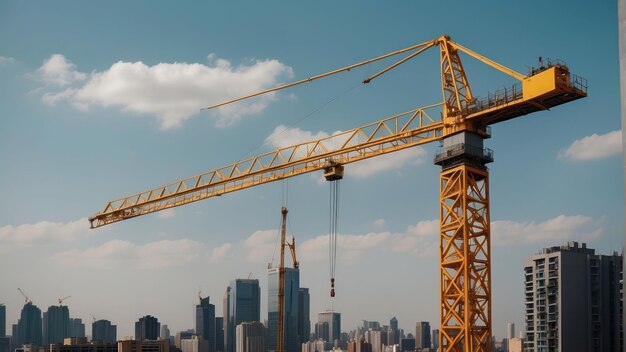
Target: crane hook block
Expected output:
[332,287]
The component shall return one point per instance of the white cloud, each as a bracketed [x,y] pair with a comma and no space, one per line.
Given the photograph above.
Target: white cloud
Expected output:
[284,136]
[379,222]
[118,253]
[59,71]
[260,246]
[171,92]
[44,233]
[219,253]
[555,230]
[5,60]
[594,147]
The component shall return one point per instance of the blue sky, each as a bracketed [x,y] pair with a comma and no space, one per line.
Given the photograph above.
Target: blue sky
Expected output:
[101,100]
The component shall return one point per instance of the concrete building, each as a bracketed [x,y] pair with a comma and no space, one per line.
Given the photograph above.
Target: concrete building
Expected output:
[205,323]
[250,337]
[515,344]
[374,338]
[304,315]
[317,345]
[333,319]
[422,335]
[143,346]
[81,346]
[435,339]
[165,332]
[510,330]
[182,335]
[194,344]
[103,331]
[358,346]
[56,324]
[29,327]
[290,316]
[147,328]
[572,300]
[244,305]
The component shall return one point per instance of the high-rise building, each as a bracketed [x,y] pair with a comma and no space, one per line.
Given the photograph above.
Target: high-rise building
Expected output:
[165,332]
[244,305]
[225,324]
[219,334]
[374,338]
[3,320]
[143,346]
[304,315]
[510,331]
[29,326]
[250,337]
[103,331]
[407,345]
[333,319]
[194,344]
[205,323]
[393,325]
[77,328]
[290,316]
[435,340]
[321,331]
[422,334]
[147,328]
[317,345]
[5,344]
[572,300]
[56,324]
[182,335]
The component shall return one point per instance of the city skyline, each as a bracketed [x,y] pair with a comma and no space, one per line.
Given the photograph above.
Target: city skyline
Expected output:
[69,143]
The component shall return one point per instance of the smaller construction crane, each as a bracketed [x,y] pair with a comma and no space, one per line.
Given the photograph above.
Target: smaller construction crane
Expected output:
[281,276]
[62,299]
[26,299]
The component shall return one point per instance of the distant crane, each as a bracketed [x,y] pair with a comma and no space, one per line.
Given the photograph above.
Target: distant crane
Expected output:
[26,299]
[62,299]
[460,122]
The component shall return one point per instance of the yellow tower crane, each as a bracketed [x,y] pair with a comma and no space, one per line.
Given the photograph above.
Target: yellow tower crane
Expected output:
[460,122]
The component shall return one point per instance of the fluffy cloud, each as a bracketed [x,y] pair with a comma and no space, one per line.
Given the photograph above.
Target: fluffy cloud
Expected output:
[379,222]
[43,233]
[166,214]
[118,253]
[172,92]
[555,230]
[219,253]
[57,70]
[260,245]
[594,147]
[284,136]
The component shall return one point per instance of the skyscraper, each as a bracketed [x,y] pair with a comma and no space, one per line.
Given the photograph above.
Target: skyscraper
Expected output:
[572,300]
[29,325]
[3,320]
[422,335]
[77,328]
[103,331]
[165,332]
[244,305]
[290,316]
[205,323]
[510,330]
[435,339]
[333,319]
[250,337]
[56,324]
[219,334]
[393,325]
[225,324]
[304,315]
[147,328]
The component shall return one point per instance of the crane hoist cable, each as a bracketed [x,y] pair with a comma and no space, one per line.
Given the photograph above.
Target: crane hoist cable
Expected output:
[332,237]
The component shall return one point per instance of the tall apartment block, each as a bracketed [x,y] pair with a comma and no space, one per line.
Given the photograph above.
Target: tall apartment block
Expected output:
[572,300]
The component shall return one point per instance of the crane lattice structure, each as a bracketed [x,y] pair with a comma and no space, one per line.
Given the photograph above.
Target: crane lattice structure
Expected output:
[460,122]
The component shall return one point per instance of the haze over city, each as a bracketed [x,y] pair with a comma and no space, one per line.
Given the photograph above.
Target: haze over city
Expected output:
[102,100]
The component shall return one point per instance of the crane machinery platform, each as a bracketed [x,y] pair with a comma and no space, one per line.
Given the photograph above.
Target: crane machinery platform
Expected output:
[460,122]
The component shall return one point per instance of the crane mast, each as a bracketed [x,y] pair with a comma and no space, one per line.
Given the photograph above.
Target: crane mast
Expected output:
[281,277]
[460,122]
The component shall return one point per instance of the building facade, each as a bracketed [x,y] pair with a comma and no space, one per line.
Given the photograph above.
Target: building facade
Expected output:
[333,319]
[304,315]
[103,331]
[250,337]
[29,326]
[572,300]
[205,323]
[290,317]
[56,324]
[422,334]
[77,328]
[244,305]
[147,328]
